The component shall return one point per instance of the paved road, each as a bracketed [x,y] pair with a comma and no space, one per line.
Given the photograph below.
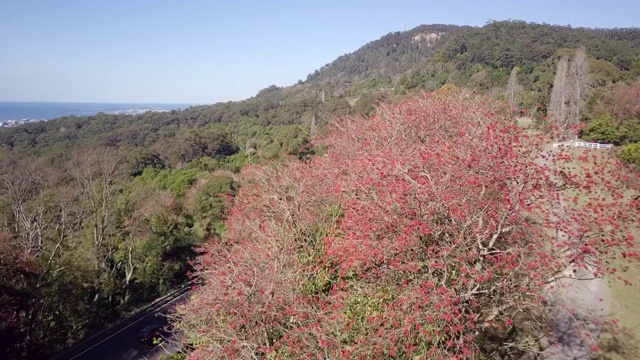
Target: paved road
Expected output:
[581,305]
[122,343]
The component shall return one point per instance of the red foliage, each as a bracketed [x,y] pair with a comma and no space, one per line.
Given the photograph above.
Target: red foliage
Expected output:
[622,101]
[426,227]
[627,102]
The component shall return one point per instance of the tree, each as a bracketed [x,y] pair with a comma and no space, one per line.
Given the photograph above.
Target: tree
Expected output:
[513,88]
[12,266]
[622,102]
[559,103]
[631,154]
[627,102]
[571,89]
[139,159]
[431,229]
[580,85]
[39,218]
[211,204]
[96,174]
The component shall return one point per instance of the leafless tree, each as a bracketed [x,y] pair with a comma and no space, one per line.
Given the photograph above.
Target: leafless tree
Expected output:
[96,174]
[571,89]
[38,226]
[25,185]
[559,103]
[580,85]
[313,129]
[513,88]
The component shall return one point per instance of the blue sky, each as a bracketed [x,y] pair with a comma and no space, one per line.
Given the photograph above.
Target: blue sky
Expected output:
[218,50]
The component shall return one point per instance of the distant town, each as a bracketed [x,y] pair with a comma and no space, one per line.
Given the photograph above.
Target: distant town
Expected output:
[14,123]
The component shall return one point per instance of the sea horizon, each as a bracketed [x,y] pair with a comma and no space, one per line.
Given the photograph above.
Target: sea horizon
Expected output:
[47,110]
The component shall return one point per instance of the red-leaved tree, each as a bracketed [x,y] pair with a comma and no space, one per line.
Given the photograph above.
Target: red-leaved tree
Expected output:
[432,229]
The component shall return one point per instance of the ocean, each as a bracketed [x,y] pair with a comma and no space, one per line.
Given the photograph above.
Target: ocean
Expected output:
[49,110]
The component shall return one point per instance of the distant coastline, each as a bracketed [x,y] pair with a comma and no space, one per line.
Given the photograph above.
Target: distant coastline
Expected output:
[16,113]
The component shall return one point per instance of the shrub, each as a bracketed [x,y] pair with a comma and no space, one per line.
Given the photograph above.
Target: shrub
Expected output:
[631,154]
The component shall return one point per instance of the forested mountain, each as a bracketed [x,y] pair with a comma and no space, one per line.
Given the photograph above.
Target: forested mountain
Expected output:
[425,57]
[100,214]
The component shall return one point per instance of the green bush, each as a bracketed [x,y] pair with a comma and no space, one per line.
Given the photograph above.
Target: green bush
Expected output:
[176,181]
[181,180]
[603,129]
[631,153]
[631,131]
[210,207]
[235,162]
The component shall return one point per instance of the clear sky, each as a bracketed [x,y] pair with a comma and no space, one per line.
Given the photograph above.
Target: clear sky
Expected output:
[203,52]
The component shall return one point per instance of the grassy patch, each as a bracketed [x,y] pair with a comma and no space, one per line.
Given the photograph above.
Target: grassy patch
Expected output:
[623,339]
[622,342]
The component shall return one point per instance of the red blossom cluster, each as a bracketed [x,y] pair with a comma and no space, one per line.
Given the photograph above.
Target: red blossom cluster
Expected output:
[430,229]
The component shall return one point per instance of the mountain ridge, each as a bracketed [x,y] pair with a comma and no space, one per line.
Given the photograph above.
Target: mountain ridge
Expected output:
[393,65]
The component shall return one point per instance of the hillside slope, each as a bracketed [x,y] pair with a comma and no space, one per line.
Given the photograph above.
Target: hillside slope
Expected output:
[425,57]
